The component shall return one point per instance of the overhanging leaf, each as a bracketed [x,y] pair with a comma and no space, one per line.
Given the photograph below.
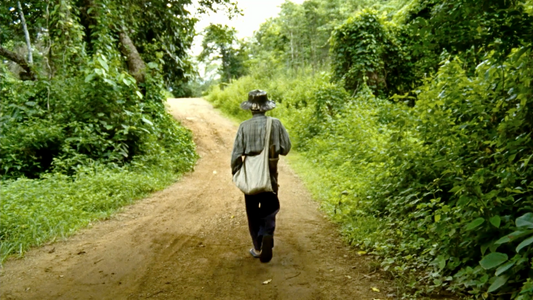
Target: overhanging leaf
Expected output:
[474,224]
[512,236]
[525,221]
[524,243]
[89,77]
[147,121]
[504,267]
[493,260]
[496,221]
[103,63]
[498,283]
[484,248]
[437,218]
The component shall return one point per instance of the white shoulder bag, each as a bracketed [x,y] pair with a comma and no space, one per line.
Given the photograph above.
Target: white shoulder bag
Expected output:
[254,175]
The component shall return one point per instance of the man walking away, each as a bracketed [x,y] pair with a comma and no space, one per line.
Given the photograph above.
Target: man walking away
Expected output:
[261,208]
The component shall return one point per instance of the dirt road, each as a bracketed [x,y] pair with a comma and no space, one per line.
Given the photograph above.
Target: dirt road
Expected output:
[190,241]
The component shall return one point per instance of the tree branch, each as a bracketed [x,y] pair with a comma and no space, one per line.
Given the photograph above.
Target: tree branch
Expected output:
[26,33]
[19,59]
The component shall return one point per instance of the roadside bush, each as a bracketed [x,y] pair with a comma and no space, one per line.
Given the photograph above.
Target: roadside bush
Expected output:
[419,144]
[419,186]
[36,211]
[365,49]
[464,181]
[97,116]
[74,149]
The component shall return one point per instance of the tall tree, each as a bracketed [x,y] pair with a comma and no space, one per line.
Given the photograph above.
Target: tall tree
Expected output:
[26,33]
[159,30]
[99,68]
[220,44]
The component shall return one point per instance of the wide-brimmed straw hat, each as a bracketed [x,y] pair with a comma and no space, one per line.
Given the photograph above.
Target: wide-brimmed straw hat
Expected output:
[258,101]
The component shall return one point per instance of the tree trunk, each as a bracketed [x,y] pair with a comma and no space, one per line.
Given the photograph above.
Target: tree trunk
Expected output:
[19,59]
[26,33]
[225,64]
[136,66]
[292,51]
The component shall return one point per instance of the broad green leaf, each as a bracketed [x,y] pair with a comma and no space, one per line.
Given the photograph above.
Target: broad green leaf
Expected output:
[525,221]
[513,236]
[504,267]
[498,283]
[484,279]
[484,248]
[440,262]
[437,218]
[496,221]
[147,121]
[526,161]
[128,81]
[493,247]
[456,188]
[474,224]
[524,243]
[89,77]
[493,260]
[139,94]
[110,82]
[103,63]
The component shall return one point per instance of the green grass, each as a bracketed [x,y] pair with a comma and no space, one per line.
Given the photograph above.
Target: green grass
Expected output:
[356,230]
[36,211]
[324,169]
[360,231]
[308,172]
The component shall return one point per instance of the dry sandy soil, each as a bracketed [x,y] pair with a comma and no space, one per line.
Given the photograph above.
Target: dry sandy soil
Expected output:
[190,241]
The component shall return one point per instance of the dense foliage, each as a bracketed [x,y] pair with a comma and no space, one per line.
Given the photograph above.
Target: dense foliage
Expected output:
[365,50]
[220,43]
[83,126]
[418,141]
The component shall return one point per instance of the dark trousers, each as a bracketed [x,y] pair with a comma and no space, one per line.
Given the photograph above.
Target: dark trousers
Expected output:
[261,210]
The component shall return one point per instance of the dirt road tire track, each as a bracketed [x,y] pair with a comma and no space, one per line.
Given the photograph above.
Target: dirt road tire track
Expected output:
[190,241]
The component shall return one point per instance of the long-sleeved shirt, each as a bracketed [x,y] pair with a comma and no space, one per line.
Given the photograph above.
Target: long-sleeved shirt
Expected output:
[250,140]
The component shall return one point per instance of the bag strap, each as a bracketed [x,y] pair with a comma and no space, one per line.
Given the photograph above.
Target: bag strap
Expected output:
[267,137]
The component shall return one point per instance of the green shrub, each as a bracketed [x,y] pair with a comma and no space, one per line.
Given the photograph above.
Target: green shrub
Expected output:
[365,49]
[440,192]
[458,177]
[74,149]
[35,211]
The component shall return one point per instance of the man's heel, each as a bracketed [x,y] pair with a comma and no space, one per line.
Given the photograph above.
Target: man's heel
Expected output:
[266,251]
